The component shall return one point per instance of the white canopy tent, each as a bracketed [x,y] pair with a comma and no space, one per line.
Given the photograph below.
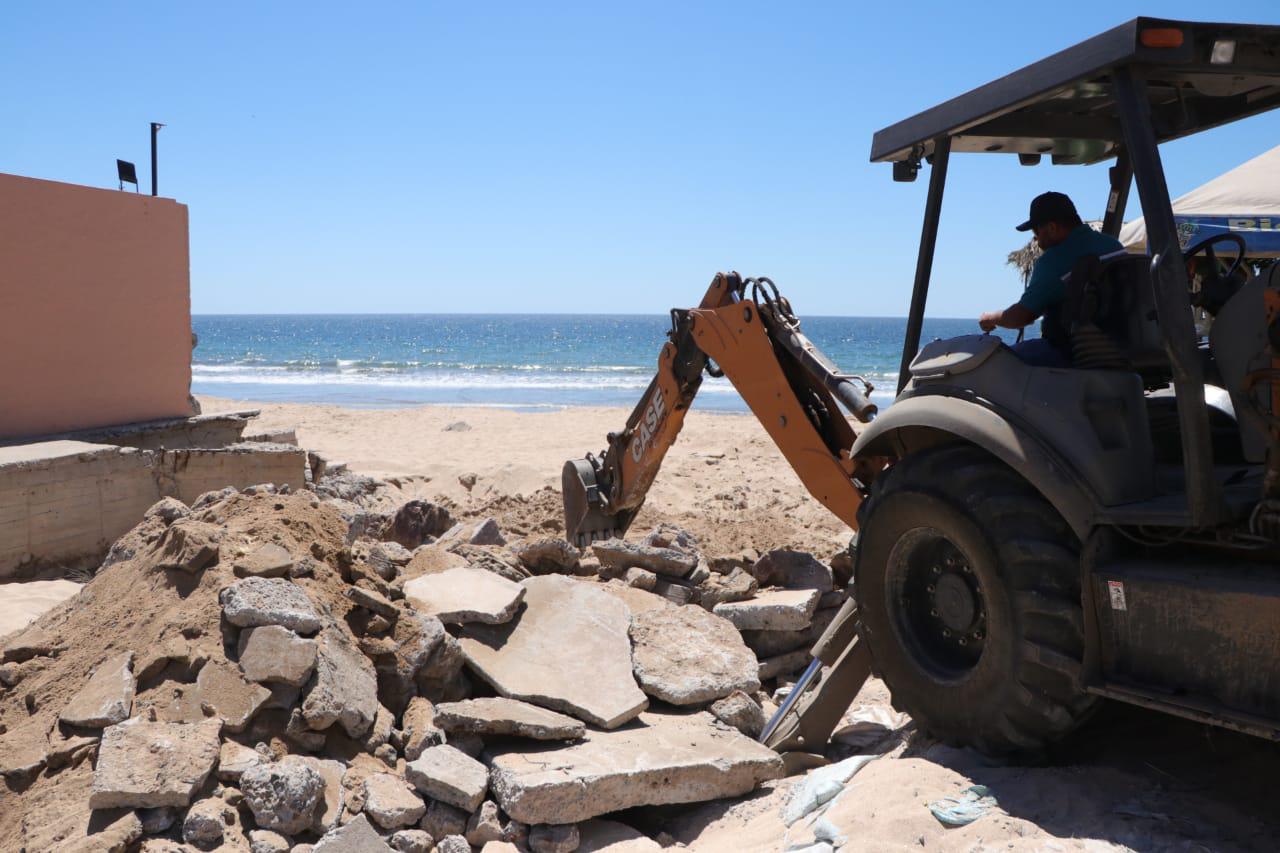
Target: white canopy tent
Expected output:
[1245,200]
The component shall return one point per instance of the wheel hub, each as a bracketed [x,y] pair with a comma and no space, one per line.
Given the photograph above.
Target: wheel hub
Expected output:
[938,602]
[954,602]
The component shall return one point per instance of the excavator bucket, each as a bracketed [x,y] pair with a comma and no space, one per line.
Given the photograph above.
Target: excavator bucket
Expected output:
[586,515]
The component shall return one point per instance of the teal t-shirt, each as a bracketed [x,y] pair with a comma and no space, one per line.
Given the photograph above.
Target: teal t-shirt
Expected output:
[1046,290]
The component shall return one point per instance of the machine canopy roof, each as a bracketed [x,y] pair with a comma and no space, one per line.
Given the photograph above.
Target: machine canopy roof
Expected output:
[1245,200]
[1064,106]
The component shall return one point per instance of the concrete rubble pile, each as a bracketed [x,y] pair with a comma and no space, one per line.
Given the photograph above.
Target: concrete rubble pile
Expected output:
[322,673]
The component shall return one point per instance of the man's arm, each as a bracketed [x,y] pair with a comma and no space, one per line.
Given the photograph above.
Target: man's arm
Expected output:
[1016,316]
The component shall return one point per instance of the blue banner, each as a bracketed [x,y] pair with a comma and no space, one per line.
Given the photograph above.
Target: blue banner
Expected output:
[1261,233]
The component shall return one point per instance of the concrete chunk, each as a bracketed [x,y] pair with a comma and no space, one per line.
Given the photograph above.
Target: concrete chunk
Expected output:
[568,651]
[107,698]
[740,711]
[499,716]
[234,759]
[449,775]
[390,802]
[282,795]
[465,595]
[687,656]
[144,765]
[659,759]
[265,561]
[793,570]
[775,610]
[235,700]
[274,653]
[344,689]
[546,554]
[420,729]
[617,555]
[358,836]
[252,602]
[189,545]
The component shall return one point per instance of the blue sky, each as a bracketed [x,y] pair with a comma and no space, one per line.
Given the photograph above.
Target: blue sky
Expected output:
[555,157]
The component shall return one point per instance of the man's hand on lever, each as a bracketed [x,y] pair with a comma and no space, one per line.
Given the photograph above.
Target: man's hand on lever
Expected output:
[1013,317]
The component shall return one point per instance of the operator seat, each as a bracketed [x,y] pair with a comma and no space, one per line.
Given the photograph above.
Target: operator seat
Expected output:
[1109,318]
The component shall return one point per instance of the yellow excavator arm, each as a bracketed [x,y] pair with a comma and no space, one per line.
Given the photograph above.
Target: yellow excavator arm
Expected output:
[754,340]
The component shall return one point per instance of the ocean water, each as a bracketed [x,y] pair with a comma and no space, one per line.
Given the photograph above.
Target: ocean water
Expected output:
[521,361]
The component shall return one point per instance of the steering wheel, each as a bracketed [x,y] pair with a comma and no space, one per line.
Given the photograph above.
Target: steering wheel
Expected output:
[1217,287]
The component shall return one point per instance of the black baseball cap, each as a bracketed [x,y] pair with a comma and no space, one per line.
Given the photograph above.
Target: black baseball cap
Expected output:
[1050,207]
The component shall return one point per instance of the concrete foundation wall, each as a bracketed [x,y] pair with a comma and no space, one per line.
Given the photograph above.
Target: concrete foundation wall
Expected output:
[65,502]
[95,309]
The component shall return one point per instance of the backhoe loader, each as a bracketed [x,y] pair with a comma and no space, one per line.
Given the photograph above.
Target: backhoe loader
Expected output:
[1031,540]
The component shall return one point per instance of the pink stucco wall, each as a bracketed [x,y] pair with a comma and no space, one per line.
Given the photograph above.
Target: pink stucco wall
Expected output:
[95,307]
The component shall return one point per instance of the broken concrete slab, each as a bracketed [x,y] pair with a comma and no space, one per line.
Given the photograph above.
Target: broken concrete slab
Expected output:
[557,838]
[657,760]
[793,570]
[373,601]
[344,688]
[773,610]
[492,559]
[273,653]
[34,641]
[486,532]
[234,759]
[637,600]
[283,795]
[526,658]
[253,602]
[391,802]
[784,664]
[144,765]
[358,836]
[617,555]
[740,711]
[456,596]
[449,775]
[333,799]
[737,585]
[416,522]
[485,825]
[234,699]
[266,561]
[188,545]
[419,727]
[412,841]
[767,644]
[500,716]
[546,554]
[687,656]
[107,698]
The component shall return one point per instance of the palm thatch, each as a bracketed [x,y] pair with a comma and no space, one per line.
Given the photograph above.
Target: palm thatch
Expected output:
[1024,259]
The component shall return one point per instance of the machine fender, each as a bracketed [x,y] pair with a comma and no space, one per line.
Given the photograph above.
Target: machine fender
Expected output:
[915,422]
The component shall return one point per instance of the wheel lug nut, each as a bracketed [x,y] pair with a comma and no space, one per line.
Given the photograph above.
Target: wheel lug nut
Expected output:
[933,613]
[946,633]
[968,571]
[963,641]
[929,588]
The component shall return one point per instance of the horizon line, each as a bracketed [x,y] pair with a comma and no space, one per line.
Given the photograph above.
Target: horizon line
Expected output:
[663,314]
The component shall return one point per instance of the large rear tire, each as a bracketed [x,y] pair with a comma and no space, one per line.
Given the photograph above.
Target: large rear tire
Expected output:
[968,588]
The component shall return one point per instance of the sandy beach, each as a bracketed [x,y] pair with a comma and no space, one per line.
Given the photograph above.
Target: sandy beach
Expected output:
[724,479]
